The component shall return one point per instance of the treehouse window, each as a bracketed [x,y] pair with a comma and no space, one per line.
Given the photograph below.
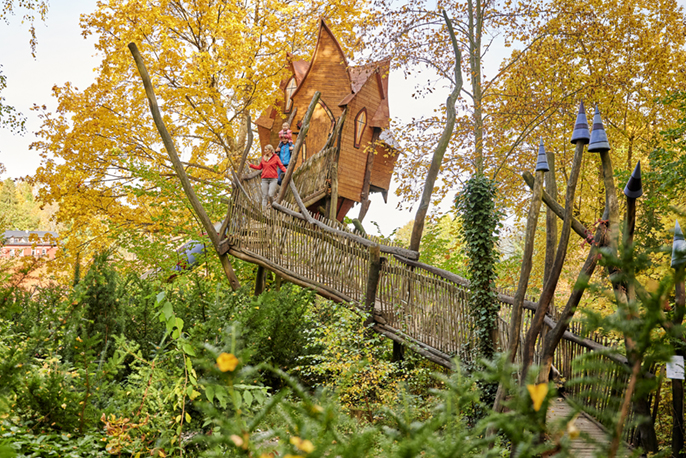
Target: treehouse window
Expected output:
[360,125]
[290,89]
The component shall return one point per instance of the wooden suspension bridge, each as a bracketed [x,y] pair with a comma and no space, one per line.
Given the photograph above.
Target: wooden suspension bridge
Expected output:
[412,303]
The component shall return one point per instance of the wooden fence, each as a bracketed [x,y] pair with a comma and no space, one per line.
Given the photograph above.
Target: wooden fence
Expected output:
[416,304]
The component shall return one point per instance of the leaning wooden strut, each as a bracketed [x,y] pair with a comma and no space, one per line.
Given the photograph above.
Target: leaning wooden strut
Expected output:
[178,168]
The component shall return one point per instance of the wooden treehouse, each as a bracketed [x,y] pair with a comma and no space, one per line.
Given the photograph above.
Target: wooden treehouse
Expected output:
[358,159]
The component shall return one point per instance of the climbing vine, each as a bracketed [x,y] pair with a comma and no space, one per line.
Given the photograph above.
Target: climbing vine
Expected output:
[480,219]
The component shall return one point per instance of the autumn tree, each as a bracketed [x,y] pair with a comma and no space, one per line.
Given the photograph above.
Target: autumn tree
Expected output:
[214,65]
[625,57]
[416,38]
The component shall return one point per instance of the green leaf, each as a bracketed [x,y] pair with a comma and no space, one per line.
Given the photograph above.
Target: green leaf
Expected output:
[247,398]
[167,310]
[160,297]
[209,392]
[188,349]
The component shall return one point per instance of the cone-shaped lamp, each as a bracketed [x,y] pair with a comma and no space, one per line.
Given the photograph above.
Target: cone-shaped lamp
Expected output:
[581,133]
[678,247]
[599,141]
[633,188]
[542,162]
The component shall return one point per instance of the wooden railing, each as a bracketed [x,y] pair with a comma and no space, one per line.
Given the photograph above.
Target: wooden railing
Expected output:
[416,304]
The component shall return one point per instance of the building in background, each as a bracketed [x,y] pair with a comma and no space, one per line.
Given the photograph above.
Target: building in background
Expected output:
[38,244]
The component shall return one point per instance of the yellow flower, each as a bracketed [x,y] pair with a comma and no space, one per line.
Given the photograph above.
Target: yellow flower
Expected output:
[238,440]
[304,445]
[227,362]
[538,393]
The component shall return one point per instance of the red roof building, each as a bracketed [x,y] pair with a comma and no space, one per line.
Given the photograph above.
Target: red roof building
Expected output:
[17,244]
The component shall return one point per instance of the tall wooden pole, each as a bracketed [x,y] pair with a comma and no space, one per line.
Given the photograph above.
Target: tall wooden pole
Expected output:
[678,263]
[178,168]
[524,274]
[549,287]
[645,430]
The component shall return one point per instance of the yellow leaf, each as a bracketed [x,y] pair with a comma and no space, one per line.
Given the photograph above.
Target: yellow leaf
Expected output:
[572,429]
[538,393]
[227,362]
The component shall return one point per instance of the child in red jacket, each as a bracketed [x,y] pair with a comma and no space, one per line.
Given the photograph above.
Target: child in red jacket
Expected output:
[269,164]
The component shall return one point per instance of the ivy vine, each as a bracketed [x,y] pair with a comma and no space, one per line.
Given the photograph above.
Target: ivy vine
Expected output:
[480,219]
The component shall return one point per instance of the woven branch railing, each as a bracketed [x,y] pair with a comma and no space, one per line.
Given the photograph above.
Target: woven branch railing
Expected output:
[319,172]
[415,304]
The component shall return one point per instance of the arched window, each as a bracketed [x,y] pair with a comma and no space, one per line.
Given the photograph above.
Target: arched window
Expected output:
[290,89]
[360,125]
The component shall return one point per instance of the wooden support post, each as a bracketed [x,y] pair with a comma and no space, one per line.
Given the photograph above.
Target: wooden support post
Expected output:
[298,144]
[678,385]
[524,274]
[550,233]
[178,167]
[248,145]
[367,182]
[549,288]
[372,278]
[333,200]
[260,280]
[645,430]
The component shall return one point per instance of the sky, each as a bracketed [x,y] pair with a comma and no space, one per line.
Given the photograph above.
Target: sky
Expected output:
[64,55]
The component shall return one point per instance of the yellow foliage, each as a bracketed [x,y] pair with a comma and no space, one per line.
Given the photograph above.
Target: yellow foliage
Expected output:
[212,65]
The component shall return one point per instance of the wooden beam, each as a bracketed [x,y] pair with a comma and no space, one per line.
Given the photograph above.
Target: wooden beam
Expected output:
[301,205]
[421,349]
[333,199]
[558,209]
[314,197]
[298,144]
[178,166]
[402,252]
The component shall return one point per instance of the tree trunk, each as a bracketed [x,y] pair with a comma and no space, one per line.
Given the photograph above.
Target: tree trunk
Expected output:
[439,152]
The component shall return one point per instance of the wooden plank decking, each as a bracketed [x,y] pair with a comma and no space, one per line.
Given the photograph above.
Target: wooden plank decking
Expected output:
[593,439]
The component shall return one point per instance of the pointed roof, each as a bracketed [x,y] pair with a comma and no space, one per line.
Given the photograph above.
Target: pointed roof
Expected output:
[360,75]
[323,29]
[299,68]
